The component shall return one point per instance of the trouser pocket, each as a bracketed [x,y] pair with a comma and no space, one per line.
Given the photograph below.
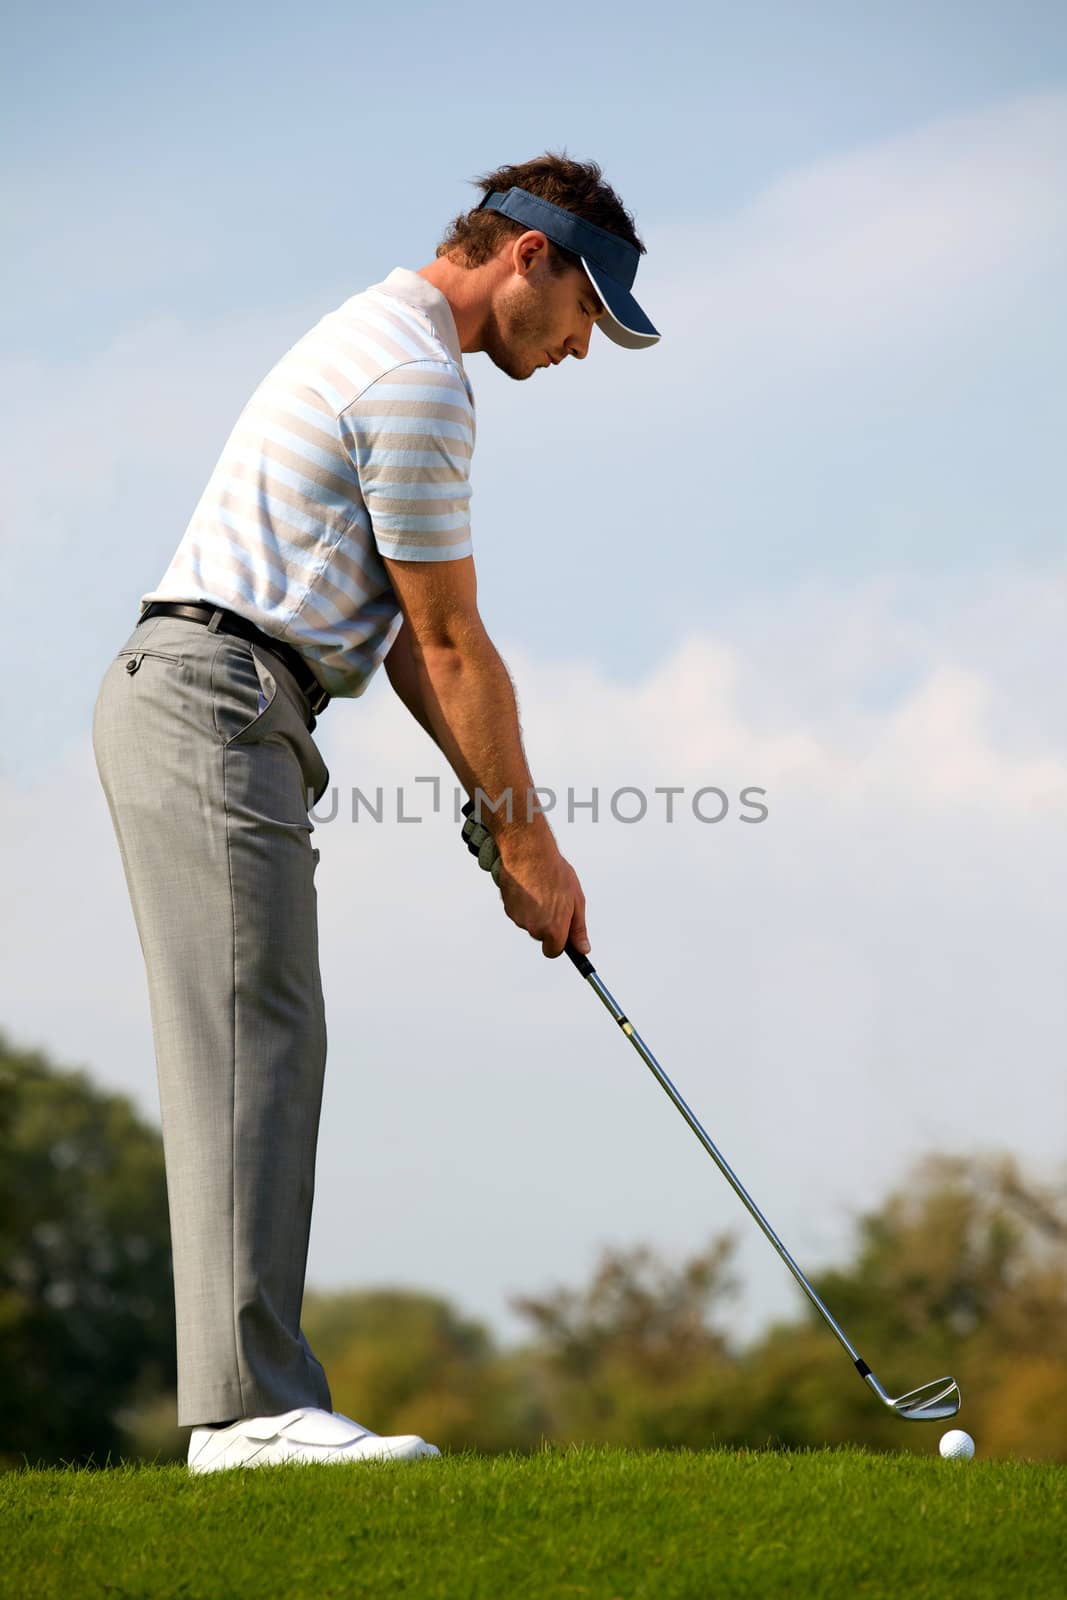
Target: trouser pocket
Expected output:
[244,693]
[132,659]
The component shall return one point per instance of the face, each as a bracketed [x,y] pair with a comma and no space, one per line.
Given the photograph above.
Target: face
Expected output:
[538,318]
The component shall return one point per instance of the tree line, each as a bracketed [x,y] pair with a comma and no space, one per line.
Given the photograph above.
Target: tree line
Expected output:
[961,1269]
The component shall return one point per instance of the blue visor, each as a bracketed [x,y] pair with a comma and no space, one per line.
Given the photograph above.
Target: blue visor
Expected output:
[610,262]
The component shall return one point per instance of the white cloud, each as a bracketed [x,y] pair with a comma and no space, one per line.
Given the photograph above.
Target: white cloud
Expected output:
[920,231]
[859,372]
[914,232]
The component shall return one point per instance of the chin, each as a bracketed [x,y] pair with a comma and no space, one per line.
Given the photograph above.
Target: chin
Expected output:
[511,362]
[511,366]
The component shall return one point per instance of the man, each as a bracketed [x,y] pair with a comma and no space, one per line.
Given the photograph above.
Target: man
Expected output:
[332,535]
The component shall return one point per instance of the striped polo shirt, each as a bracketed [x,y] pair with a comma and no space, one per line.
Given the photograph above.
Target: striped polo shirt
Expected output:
[357,444]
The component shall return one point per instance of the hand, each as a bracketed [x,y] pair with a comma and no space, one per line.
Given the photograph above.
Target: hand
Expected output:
[539,888]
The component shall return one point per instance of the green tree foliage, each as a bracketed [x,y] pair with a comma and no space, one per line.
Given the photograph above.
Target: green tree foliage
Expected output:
[86,1286]
[964,1270]
[961,1269]
[637,1357]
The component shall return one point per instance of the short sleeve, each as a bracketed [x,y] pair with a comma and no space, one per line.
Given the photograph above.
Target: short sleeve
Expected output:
[410,437]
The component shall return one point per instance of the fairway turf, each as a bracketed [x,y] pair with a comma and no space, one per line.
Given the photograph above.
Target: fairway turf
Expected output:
[595,1523]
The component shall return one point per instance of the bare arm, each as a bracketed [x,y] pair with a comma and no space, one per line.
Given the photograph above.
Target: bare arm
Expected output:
[406,679]
[450,676]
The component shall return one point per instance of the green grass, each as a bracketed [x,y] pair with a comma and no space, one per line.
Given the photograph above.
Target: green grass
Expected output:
[597,1523]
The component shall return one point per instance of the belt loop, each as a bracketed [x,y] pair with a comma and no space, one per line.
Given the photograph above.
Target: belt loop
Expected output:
[216,618]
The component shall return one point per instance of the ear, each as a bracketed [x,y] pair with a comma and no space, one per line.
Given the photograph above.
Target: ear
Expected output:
[529,250]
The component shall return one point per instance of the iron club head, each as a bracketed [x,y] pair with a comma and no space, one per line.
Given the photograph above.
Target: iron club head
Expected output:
[931,1403]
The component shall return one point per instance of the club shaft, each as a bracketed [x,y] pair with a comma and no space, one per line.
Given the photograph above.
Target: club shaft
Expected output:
[595,982]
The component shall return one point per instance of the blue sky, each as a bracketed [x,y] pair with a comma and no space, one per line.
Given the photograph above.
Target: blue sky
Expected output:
[242,157]
[813,540]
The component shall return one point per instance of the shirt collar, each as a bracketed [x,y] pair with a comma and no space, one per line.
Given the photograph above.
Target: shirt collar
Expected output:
[416,291]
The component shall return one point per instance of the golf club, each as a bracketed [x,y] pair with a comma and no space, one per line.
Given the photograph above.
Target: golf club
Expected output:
[932,1402]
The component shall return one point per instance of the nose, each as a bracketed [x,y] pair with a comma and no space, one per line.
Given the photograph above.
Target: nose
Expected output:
[578,344]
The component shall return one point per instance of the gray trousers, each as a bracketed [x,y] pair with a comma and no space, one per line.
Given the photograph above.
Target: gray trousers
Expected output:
[204,749]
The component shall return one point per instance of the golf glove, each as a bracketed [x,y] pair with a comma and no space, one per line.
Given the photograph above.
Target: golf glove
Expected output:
[480,843]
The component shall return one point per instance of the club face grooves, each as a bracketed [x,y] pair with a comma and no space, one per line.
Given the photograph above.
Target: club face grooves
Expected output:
[933,1402]
[930,1403]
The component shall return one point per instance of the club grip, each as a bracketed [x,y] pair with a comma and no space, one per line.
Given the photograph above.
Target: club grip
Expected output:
[583,963]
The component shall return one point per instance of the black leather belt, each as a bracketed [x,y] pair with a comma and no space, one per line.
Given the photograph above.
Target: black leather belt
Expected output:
[230,622]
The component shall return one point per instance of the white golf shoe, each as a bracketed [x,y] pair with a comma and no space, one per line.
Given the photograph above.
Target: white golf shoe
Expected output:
[306,1435]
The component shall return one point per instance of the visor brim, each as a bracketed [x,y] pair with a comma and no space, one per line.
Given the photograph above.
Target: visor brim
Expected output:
[623,321]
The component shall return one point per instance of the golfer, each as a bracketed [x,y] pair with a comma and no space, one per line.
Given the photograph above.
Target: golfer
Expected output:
[333,535]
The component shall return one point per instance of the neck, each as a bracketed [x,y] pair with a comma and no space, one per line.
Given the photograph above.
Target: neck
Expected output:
[467,290]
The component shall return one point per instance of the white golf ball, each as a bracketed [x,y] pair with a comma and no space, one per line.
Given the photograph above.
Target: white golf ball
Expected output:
[956,1445]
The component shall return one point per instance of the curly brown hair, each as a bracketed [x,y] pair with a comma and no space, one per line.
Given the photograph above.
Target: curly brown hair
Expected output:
[475,236]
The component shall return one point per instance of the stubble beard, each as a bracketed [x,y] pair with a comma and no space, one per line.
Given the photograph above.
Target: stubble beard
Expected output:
[511,342]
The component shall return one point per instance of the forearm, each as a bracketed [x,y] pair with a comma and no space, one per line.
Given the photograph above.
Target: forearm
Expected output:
[464,698]
[406,680]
